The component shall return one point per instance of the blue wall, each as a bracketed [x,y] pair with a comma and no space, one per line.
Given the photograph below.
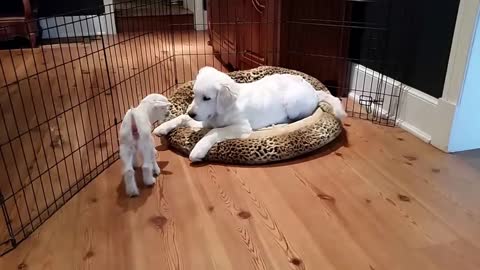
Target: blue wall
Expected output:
[465,134]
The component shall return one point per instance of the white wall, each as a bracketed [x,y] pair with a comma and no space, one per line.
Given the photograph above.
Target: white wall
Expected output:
[189,4]
[465,134]
[200,16]
[442,123]
[80,26]
[450,123]
[415,108]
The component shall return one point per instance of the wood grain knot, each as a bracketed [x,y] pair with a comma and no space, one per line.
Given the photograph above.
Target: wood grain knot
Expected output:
[403,198]
[410,158]
[244,214]
[89,255]
[295,261]
[103,143]
[326,197]
[391,201]
[158,221]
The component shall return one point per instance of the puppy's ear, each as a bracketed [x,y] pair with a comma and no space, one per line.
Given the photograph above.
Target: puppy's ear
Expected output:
[226,97]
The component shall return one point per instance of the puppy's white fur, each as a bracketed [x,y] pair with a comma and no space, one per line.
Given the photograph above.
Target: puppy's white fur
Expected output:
[136,140]
[233,109]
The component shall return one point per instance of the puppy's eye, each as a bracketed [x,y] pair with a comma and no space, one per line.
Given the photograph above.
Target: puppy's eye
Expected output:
[206,98]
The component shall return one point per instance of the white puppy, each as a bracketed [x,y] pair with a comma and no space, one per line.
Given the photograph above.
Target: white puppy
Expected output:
[233,109]
[136,140]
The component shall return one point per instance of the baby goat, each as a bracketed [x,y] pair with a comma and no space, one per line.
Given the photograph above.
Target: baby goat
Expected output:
[136,140]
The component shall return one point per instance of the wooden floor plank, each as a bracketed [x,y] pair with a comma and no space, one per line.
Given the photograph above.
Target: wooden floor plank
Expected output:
[58,115]
[384,200]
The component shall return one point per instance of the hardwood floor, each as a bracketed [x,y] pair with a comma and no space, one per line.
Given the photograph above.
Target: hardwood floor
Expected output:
[58,113]
[385,200]
[377,199]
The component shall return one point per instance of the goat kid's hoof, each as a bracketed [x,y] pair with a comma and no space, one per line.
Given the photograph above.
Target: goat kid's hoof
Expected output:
[132,192]
[156,172]
[150,181]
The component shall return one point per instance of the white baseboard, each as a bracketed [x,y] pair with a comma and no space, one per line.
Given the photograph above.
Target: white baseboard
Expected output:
[415,131]
[415,108]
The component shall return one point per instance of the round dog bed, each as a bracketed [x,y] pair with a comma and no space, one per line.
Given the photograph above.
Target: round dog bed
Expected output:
[267,145]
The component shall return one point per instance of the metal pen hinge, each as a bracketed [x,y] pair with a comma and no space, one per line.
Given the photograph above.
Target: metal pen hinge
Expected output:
[368,101]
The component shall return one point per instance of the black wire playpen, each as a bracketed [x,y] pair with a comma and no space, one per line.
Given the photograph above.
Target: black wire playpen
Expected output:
[67,78]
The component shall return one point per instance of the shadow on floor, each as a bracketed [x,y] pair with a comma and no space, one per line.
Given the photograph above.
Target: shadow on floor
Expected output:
[132,204]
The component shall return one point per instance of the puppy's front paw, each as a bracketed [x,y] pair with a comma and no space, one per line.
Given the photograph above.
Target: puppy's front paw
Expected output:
[163,129]
[199,152]
[196,156]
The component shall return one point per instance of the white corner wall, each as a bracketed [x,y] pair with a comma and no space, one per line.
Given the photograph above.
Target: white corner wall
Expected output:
[465,27]
[80,26]
[415,108]
[200,16]
[465,133]
[190,4]
[450,123]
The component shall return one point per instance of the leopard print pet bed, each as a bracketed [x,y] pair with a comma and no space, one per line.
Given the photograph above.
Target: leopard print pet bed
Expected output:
[263,146]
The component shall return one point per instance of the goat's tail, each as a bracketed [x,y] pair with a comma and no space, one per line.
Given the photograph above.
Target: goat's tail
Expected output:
[336,103]
[134,127]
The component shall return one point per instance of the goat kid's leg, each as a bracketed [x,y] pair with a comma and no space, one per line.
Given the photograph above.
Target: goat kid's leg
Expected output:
[127,155]
[150,167]
[156,168]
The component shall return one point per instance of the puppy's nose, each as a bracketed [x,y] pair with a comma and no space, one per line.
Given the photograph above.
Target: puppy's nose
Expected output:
[192,114]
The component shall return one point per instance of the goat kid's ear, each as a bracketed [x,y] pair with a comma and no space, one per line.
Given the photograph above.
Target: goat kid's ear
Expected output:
[206,68]
[161,104]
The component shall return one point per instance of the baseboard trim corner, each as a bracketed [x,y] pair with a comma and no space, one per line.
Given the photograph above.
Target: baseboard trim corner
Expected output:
[416,110]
